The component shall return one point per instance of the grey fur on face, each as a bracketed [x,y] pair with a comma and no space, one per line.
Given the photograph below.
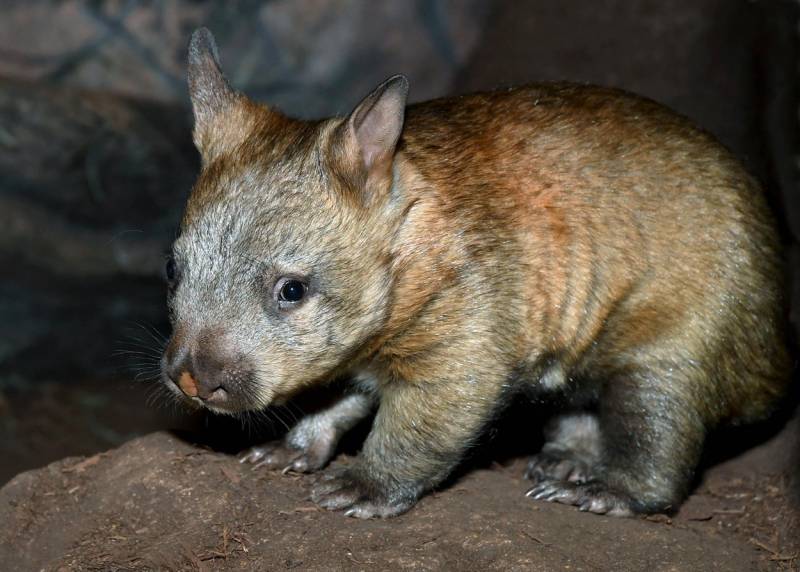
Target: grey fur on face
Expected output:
[263,223]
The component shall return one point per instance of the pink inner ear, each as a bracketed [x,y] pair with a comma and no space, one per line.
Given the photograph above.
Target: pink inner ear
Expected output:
[378,121]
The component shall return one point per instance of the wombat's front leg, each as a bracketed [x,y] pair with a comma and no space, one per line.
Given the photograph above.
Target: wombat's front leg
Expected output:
[420,433]
[312,442]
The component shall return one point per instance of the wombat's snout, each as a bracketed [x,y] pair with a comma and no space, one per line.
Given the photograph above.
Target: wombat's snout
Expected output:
[200,370]
[205,389]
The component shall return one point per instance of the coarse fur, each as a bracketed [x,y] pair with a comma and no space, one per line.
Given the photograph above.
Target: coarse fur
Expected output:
[555,239]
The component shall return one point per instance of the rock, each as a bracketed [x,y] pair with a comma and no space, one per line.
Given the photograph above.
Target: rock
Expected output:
[92,190]
[160,502]
[310,57]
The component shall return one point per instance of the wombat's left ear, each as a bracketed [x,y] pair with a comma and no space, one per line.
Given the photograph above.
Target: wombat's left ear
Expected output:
[375,125]
[209,90]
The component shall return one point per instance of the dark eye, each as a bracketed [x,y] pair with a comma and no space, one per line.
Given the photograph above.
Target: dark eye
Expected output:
[170,270]
[291,291]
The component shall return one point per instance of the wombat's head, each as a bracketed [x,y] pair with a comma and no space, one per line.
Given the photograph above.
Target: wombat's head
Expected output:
[280,275]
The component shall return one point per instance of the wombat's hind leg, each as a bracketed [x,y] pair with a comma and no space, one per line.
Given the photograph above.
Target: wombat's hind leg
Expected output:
[650,437]
[571,450]
[565,471]
[312,442]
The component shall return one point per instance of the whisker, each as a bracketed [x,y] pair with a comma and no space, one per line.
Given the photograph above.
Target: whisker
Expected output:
[279,417]
[153,333]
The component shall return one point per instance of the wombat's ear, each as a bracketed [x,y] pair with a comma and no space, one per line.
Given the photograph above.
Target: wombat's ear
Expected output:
[376,123]
[208,88]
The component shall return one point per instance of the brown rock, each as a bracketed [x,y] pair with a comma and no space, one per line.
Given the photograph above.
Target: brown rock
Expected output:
[160,502]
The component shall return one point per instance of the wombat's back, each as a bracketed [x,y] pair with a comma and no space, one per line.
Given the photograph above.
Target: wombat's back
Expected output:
[632,234]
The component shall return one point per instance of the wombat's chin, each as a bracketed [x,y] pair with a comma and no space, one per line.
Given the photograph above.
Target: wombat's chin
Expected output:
[234,408]
[217,410]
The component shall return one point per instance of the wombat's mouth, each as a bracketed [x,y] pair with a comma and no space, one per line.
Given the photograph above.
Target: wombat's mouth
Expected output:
[227,392]
[222,407]
[220,401]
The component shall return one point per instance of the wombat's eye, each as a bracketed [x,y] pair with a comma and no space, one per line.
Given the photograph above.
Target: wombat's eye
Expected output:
[170,269]
[290,291]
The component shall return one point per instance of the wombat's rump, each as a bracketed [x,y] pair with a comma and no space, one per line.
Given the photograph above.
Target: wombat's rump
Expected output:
[563,240]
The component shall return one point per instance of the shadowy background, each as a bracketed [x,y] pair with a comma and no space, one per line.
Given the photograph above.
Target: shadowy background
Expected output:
[96,157]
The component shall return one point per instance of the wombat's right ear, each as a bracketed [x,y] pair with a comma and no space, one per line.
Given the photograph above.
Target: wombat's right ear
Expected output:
[369,136]
[378,120]
[210,92]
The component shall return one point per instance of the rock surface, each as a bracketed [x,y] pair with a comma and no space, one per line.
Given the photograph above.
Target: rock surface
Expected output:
[309,57]
[91,189]
[160,502]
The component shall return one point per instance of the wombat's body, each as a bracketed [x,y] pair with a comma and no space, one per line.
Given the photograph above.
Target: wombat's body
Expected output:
[566,240]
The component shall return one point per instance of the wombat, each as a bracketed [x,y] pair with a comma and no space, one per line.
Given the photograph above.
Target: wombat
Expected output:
[575,243]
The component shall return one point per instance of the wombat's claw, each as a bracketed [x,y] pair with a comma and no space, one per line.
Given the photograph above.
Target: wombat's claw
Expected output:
[340,490]
[269,455]
[591,496]
[253,455]
[547,466]
[279,456]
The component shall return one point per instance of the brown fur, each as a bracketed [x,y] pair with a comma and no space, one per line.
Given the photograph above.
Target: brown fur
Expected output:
[557,239]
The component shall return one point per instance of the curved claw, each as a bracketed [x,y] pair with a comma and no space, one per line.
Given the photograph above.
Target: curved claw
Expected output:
[252,455]
[342,490]
[549,465]
[591,496]
[287,458]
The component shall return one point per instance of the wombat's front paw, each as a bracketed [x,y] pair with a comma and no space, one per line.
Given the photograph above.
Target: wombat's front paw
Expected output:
[342,489]
[279,455]
[591,496]
[557,466]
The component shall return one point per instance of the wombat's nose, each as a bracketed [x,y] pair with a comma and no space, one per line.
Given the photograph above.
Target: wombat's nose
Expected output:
[196,380]
[199,370]
[188,384]
[194,387]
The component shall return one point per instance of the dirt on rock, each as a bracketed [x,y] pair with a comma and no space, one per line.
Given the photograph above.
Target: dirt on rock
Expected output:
[162,502]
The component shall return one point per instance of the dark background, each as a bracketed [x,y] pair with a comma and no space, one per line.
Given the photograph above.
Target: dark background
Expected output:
[96,157]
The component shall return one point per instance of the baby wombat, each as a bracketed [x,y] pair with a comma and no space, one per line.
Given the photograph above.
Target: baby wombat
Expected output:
[577,243]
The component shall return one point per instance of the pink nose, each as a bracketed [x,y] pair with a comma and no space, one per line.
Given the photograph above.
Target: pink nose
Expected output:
[188,384]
